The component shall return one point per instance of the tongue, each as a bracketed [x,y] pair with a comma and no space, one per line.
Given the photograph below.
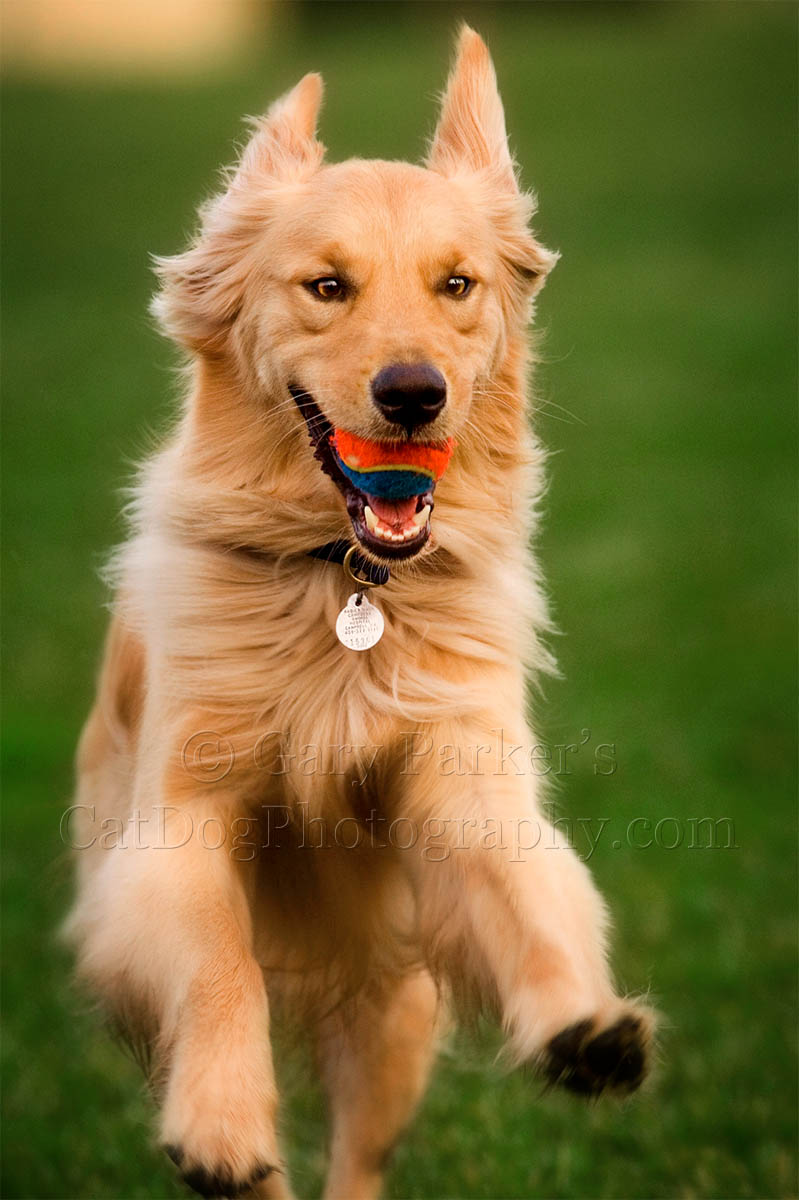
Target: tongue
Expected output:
[394,512]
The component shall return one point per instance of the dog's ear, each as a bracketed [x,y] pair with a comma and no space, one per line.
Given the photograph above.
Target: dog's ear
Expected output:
[284,142]
[471,127]
[471,139]
[202,289]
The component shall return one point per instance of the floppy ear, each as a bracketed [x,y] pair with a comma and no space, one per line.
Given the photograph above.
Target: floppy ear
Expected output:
[202,289]
[471,128]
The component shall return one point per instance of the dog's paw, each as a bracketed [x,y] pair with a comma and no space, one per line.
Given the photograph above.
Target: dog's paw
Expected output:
[222,1179]
[589,1059]
[218,1124]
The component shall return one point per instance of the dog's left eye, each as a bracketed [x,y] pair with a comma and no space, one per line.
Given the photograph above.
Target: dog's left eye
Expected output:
[458,286]
[327,288]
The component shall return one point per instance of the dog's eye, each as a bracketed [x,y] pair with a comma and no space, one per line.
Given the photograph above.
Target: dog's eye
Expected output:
[458,286]
[327,288]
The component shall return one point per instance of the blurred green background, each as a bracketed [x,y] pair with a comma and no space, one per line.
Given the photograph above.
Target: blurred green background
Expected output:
[660,138]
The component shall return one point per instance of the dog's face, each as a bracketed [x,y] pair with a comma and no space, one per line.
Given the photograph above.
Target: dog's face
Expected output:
[378,295]
[380,310]
[380,299]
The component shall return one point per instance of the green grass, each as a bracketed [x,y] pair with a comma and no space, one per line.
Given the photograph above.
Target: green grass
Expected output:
[660,138]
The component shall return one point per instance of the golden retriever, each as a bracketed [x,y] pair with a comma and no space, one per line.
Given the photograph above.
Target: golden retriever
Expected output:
[270,820]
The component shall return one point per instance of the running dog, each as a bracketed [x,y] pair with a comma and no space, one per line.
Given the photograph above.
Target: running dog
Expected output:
[277,819]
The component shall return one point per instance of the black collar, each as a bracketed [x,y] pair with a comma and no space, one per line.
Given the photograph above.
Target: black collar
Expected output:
[334,552]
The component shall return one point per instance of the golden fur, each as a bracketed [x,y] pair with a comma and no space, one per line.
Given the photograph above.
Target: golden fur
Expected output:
[224,631]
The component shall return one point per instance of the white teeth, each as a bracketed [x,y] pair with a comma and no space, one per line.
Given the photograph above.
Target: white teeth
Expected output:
[379,528]
[370,518]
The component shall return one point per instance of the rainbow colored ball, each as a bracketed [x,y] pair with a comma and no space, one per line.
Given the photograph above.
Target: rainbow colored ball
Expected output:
[391,470]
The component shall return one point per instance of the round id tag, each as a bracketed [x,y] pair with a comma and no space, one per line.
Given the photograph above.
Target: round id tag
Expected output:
[360,625]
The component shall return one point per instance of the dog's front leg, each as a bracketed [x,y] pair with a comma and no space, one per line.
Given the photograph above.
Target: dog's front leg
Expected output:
[165,928]
[511,914]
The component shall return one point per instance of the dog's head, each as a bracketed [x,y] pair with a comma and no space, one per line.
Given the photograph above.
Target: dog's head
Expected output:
[366,296]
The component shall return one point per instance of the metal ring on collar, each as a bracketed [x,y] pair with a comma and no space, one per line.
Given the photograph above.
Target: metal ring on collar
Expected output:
[362,583]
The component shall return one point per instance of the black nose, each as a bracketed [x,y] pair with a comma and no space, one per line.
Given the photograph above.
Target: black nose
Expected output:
[409,395]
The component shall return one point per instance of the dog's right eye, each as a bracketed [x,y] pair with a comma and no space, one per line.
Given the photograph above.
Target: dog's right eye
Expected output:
[327,288]
[458,286]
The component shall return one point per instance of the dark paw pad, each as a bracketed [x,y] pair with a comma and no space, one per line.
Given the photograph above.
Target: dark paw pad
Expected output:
[589,1063]
[218,1182]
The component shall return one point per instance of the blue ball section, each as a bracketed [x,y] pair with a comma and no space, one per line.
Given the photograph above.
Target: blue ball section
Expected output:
[389,485]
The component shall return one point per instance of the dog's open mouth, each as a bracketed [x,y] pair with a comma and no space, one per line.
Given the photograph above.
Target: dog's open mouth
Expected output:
[388,529]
